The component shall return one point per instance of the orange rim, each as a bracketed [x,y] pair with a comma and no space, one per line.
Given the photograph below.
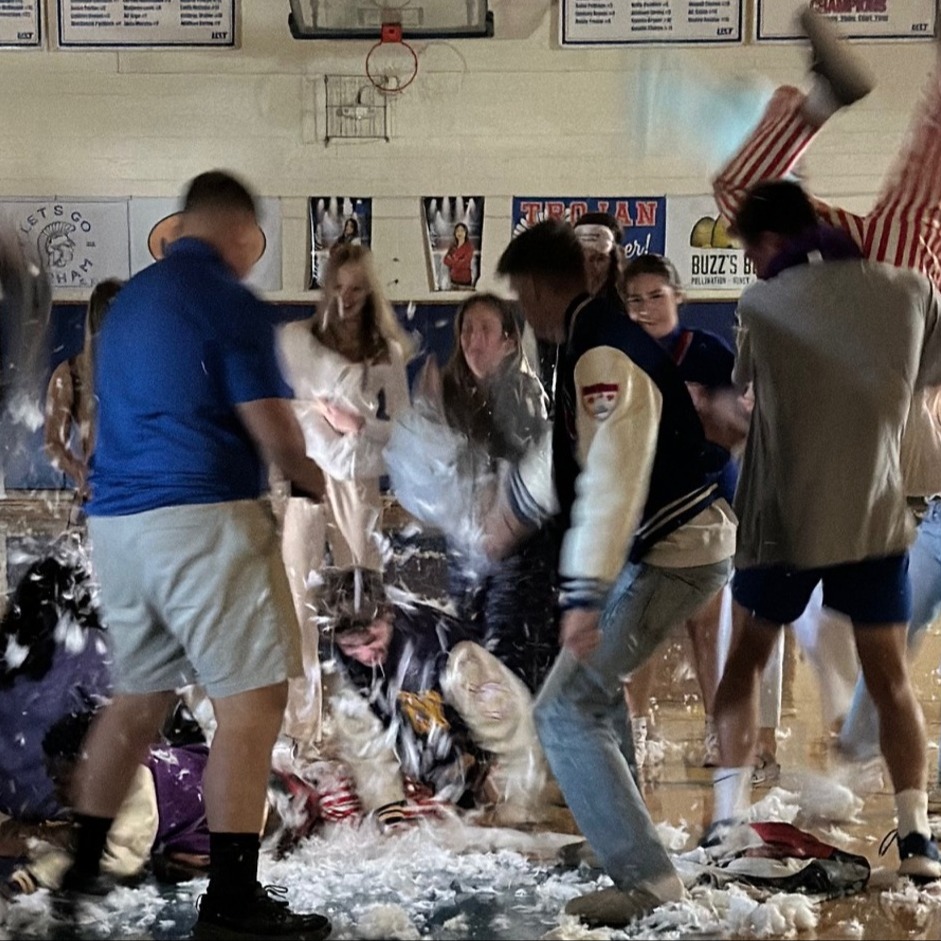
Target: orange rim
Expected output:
[374,78]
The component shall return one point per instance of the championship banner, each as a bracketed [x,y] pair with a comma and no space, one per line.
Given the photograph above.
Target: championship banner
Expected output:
[154,224]
[80,243]
[642,218]
[453,226]
[333,221]
[856,19]
[649,22]
[707,258]
[20,23]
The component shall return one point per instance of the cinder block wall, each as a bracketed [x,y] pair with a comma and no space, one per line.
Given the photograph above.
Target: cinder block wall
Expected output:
[515,114]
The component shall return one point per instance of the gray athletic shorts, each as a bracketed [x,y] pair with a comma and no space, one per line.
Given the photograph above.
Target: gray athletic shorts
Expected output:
[196,594]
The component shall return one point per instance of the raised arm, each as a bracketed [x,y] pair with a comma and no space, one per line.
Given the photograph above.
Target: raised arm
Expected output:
[771,152]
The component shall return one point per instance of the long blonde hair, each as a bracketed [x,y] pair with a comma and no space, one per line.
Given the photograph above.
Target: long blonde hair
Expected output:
[380,328]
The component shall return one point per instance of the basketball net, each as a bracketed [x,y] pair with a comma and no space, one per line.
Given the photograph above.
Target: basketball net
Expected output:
[381,69]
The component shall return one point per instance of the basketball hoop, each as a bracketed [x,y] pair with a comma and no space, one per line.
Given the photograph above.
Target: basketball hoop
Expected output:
[390,35]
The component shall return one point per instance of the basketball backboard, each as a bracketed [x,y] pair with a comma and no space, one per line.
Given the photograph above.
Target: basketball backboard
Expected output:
[362,19]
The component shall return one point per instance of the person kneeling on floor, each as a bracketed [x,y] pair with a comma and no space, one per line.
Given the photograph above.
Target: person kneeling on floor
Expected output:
[412,701]
[161,824]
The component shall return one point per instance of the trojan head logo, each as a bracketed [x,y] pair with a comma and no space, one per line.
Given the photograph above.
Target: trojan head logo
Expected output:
[711,233]
[600,399]
[56,245]
[65,240]
[167,231]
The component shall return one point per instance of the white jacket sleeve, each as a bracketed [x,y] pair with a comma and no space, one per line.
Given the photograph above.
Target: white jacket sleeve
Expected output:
[357,736]
[530,486]
[617,422]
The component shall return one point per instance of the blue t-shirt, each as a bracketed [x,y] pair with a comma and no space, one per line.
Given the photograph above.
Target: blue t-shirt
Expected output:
[183,343]
[707,359]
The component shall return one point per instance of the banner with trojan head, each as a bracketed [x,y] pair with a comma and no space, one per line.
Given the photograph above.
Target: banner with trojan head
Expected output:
[78,242]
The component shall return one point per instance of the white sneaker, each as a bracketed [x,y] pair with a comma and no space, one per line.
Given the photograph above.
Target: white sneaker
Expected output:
[934,800]
[766,772]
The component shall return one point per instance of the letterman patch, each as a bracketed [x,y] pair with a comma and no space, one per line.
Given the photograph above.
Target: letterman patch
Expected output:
[599,399]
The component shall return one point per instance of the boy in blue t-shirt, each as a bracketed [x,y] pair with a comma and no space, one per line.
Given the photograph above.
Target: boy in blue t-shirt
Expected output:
[191,409]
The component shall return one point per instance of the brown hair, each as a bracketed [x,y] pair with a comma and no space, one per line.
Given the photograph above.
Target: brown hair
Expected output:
[83,369]
[501,415]
[658,265]
[780,207]
[351,599]
[99,302]
[379,325]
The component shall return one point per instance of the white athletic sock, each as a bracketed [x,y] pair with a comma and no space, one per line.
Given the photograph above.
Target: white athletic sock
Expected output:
[911,808]
[731,790]
[820,103]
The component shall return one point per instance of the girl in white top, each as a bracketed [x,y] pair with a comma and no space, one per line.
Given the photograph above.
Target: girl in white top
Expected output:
[347,370]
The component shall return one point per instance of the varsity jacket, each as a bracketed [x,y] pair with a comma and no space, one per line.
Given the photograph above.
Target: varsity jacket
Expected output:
[630,458]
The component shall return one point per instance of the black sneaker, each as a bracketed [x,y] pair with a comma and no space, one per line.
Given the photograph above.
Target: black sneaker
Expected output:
[266,915]
[715,836]
[612,907]
[74,901]
[918,856]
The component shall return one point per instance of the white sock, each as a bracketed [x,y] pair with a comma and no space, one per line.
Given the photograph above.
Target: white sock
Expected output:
[911,808]
[731,790]
[820,103]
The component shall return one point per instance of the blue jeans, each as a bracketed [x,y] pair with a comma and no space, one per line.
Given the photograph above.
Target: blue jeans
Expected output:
[581,717]
[860,733]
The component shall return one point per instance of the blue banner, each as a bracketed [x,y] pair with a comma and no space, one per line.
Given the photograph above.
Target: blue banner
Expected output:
[642,218]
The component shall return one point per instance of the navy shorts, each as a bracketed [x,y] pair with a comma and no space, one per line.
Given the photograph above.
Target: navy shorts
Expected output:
[872,591]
